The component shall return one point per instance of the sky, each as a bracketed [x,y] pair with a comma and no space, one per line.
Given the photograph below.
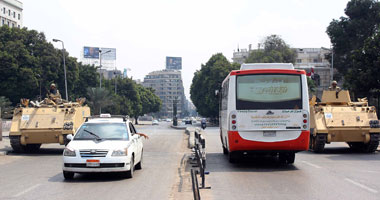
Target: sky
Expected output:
[144,32]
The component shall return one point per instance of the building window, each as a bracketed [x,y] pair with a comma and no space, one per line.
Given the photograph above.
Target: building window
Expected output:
[9,12]
[299,60]
[19,16]
[14,14]
[4,10]
[18,26]
[8,23]
[13,25]
[2,23]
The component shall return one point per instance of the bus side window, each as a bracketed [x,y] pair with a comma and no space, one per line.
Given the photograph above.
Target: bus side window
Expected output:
[225,95]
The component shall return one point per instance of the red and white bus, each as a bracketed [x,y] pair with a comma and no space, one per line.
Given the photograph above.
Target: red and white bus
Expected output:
[264,107]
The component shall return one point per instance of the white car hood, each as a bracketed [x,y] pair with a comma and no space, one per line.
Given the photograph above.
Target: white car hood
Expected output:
[91,144]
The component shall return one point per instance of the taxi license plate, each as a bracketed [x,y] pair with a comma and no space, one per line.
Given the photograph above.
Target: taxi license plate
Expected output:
[92,163]
[269,133]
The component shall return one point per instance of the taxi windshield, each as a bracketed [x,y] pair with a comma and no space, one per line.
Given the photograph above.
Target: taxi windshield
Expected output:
[103,131]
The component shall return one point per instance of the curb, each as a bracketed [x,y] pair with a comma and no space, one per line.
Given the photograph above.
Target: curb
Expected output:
[178,127]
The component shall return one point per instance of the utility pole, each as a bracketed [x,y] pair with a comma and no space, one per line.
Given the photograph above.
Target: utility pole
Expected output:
[64,64]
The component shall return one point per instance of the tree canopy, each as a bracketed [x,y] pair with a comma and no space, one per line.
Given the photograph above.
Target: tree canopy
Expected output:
[208,79]
[28,62]
[352,38]
[275,50]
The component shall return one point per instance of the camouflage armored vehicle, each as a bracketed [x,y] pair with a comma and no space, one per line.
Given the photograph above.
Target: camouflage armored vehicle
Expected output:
[337,119]
[48,121]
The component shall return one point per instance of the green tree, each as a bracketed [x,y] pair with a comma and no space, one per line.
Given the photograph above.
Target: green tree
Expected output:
[208,79]
[99,98]
[275,51]
[349,34]
[364,76]
[5,107]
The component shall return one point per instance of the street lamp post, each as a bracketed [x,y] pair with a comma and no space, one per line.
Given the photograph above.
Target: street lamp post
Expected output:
[100,66]
[64,64]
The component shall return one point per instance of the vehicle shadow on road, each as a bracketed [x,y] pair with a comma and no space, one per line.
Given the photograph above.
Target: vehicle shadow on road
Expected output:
[40,152]
[218,162]
[90,177]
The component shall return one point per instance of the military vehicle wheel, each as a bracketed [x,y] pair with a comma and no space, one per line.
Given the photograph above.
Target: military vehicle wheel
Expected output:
[32,147]
[139,165]
[372,145]
[319,143]
[16,144]
[129,174]
[287,158]
[68,175]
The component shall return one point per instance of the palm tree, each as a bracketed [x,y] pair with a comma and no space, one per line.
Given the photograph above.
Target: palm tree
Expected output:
[98,99]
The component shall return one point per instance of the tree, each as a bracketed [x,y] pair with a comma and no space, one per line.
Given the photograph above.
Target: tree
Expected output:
[206,81]
[364,76]
[98,98]
[275,51]
[349,34]
[5,108]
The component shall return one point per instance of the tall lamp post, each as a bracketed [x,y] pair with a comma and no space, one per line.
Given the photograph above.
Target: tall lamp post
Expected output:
[100,67]
[64,64]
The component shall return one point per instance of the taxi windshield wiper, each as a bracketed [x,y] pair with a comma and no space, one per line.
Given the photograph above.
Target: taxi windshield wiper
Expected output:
[93,134]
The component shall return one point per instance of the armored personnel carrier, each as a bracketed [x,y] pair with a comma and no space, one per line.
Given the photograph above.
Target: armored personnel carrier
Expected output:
[48,121]
[337,119]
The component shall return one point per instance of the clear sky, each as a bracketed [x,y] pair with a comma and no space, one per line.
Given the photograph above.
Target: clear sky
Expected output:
[144,32]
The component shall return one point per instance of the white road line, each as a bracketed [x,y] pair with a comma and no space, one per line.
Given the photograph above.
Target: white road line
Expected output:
[361,185]
[27,190]
[311,164]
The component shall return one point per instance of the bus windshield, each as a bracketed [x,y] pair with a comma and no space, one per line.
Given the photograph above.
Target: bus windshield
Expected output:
[268,91]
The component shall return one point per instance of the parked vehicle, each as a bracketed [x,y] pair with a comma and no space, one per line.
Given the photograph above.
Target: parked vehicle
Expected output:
[265,108]
[155,122]
[104,144]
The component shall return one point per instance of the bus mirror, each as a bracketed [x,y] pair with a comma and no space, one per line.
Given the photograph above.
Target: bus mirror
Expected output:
[216,92]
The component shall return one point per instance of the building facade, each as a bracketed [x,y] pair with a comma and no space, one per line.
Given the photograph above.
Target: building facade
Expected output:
[312,60]
[168,86]
[11,13]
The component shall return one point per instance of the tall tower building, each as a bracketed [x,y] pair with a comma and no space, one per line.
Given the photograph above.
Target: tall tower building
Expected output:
[168,86]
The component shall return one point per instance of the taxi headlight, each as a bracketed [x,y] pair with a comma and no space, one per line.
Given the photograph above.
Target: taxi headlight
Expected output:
[69,152]
[120,152]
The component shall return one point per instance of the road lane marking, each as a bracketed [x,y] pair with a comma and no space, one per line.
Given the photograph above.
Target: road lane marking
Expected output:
[311,164]
[361,185]
[26,190]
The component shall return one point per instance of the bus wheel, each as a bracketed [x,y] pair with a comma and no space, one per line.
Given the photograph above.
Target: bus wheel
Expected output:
[232,157]
[287,158]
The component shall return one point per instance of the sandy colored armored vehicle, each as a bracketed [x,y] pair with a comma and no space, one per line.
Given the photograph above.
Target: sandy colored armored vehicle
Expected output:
[48,121]
[337,119]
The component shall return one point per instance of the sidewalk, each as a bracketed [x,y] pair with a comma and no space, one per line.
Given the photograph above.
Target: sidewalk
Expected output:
[4,144]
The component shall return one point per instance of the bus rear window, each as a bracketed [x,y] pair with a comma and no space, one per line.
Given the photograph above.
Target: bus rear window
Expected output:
[268,91]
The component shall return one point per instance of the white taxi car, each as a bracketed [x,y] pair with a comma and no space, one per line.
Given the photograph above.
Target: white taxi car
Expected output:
[104,144]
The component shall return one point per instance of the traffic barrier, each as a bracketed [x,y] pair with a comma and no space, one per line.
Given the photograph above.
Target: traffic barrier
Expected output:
[200,158]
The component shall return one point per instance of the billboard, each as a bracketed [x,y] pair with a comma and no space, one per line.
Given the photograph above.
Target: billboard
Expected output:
[91,52]
[111,55]
[173,62]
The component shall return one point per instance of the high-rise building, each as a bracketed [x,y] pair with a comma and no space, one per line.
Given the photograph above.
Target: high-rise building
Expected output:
[11,13]
[168,86]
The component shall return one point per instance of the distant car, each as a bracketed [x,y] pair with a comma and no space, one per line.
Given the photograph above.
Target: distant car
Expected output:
[168,120]
[104,144]
[188,121]
[155,122]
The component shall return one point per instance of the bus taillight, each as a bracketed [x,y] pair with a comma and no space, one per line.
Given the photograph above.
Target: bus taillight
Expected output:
[233,121]
[305,121]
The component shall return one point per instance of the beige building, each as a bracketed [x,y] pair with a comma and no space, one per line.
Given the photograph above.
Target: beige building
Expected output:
[309,59]
[168,86]
[11,13]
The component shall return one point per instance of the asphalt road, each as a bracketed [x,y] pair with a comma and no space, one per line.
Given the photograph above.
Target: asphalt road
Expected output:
[336,174]
[39,176]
